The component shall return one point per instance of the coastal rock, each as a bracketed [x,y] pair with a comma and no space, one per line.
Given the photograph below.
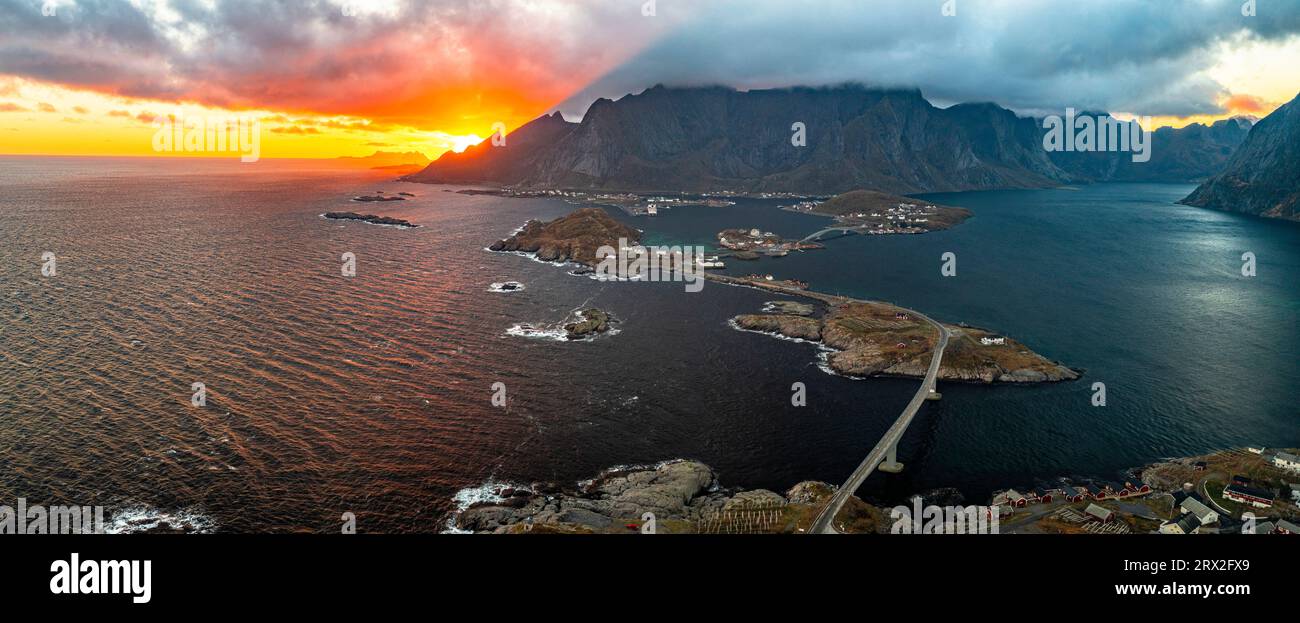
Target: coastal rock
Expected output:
[665,491]
[809,492]
[791,308]
[593,321]
[790,326]
[584,517]
[679,490]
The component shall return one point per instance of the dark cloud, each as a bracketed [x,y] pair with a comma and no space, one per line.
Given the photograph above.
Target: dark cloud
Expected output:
[1141,56]
[306,56]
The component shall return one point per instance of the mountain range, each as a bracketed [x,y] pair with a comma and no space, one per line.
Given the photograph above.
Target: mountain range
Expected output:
[892,140]
[1263,175]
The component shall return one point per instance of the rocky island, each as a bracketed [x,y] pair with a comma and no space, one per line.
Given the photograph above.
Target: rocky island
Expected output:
[574,237]
[878,339]
[369,218]
[591,322]
[377,198]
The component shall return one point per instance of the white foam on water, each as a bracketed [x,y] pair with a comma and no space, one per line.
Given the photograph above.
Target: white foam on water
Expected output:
[469,496]
[536,333]
[501,287]
[142,518]
[823,351]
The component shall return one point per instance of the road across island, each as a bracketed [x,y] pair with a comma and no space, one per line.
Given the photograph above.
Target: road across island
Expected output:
[824,524]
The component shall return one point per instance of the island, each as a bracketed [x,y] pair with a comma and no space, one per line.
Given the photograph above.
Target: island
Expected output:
[591,322]
[379,196]
[574,237]
[880,213]
[370,218]
[868,339]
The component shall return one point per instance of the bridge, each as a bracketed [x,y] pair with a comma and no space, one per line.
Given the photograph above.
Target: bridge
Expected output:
[858,229]
[885,455]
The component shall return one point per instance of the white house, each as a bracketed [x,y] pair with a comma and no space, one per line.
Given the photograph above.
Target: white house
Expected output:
[1186,524]
[1203,513]
[1287,461]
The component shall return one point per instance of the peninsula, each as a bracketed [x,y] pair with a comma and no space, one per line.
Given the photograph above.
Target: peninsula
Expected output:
[870,338]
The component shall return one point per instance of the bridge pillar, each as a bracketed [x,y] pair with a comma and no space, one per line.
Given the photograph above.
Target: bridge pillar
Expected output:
[891,464]
[933,394]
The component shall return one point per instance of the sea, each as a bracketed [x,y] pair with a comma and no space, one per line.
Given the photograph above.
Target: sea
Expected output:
[179,344]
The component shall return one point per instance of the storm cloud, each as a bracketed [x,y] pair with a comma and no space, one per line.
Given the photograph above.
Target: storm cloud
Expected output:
[1147,57]
[399,61]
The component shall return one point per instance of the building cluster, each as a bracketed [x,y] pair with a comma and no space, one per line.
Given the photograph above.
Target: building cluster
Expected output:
[803,206]
[993,341]
[757,241]
[1013,499]
[1194,514]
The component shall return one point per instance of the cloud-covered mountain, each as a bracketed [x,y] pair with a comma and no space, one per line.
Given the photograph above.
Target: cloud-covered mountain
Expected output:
[1263,176]
[715,138]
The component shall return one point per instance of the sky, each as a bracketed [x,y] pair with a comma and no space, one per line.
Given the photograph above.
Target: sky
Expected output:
[328,78]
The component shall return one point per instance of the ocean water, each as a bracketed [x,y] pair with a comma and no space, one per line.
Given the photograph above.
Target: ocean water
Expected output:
[373,394]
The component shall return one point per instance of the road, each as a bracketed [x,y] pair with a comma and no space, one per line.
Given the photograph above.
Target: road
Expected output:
[824,524]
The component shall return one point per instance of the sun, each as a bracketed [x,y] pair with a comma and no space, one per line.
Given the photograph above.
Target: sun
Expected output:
[461,143]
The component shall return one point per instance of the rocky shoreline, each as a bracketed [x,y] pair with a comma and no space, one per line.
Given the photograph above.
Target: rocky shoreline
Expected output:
[686,497]
[683,496]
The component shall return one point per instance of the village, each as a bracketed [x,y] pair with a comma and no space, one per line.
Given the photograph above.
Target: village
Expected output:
[877,218]
[1241,491]
[753,243]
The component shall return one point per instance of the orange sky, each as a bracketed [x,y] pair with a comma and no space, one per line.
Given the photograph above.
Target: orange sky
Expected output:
[427,77]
